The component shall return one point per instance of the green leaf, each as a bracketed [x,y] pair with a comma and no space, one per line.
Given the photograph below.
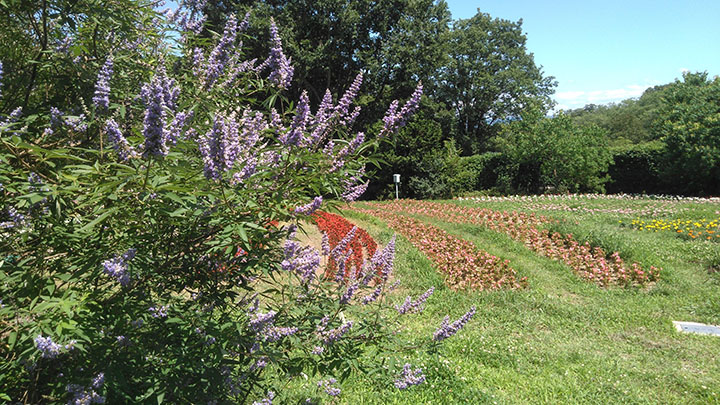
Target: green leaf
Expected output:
[97,220]
[12,338]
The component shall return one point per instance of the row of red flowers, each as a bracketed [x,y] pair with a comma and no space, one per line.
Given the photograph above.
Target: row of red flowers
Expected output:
[590,263]
[463,264]
[336,228]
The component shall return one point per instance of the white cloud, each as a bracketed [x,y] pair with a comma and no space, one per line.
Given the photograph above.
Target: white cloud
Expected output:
[577,99]
[683,70]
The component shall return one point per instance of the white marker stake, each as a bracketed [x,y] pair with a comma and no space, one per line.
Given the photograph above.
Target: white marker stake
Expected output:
[396,180]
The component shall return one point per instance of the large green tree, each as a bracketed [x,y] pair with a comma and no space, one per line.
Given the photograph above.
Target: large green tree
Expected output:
[394,43]
[689,124]
[553,152]
[491,78]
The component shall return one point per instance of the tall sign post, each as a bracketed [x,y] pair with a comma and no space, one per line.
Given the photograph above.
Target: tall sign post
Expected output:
[396,180]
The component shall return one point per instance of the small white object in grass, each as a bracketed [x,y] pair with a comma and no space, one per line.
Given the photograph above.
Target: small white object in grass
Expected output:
[699,328]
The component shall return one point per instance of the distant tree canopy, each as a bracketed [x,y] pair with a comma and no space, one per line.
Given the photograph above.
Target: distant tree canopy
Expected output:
[627,122]
[667,140]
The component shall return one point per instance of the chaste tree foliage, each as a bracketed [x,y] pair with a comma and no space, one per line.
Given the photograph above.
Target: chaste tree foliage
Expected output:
[153,173]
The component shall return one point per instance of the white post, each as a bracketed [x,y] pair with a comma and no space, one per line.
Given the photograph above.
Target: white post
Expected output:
[396,180]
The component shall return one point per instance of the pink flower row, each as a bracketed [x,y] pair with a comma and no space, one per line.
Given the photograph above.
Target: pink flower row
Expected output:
[590,263]
[463,264]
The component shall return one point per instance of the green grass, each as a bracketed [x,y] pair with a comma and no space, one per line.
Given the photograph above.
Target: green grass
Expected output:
[562,340]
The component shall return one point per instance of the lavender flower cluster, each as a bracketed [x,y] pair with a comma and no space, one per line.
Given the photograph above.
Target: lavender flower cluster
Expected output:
[101,99]
[118,141]
[63,46]
[394,119]
[410,306]
[224,57]
[267,400]
[328,386]
[304,261]
[117,267]
[229,144]
[86,396]
[448,329]
[17,220]
[331,336]
[281,71]
[158,312]
[76,123]
[263,326]
[188,16]
[309,208]
[49,349]
[158,95]
[409,377]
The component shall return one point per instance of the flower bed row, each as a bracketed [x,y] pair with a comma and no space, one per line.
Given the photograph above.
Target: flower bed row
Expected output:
[655,209]
[691,229]
[590,263]
[463,264]
[337,228]
[580,197]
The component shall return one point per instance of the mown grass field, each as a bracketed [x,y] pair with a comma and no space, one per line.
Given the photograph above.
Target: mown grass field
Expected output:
[562,339]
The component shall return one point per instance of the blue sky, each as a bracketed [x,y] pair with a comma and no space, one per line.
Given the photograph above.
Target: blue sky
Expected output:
[610,50]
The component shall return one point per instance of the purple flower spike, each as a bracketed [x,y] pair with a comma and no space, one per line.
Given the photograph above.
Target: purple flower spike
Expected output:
[325,245]
[118,141]
[220,55]
[153,95]
[101,99]
[98,381]
[372,297]
[345,299]
[295,135]
[410,306]
[274,334]
[327,385]
[383,259]
[309,208]
[343,106]
[333,335]
[159,312]
[281,72]
[354,192]
[336,253]
[447,330]
[259,321]
[409,377]
[395,120]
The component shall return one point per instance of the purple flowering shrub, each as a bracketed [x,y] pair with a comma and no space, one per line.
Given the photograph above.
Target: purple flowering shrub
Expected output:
[142,263]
